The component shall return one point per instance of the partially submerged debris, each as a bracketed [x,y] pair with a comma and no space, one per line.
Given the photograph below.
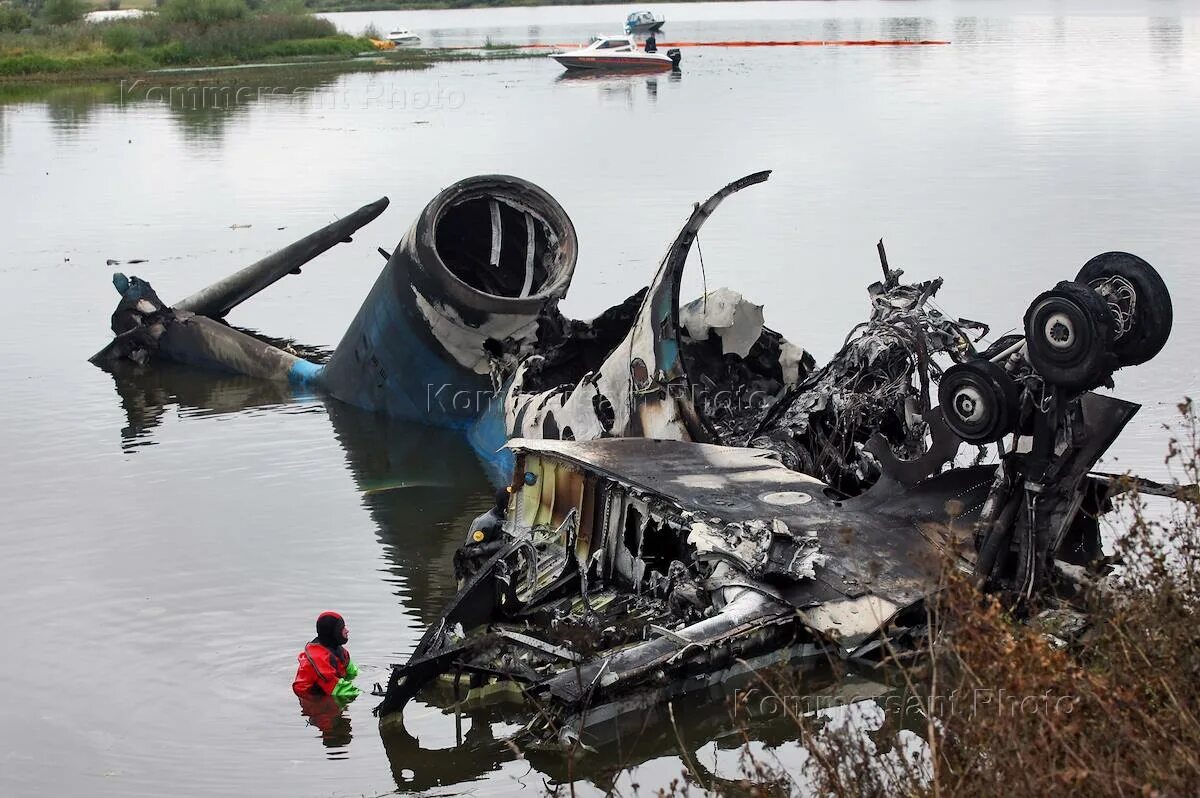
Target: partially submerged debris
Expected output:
[219,298]
[635,570]
[646,551]
[649,569]
[879,382]
[190,332]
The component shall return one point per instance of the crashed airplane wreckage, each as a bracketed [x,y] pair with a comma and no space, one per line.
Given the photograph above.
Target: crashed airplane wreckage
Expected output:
[462,330]
[689,495]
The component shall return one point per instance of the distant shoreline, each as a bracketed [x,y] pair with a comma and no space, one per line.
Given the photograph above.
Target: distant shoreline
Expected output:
[92,72]
[194,37]
[341,6]
[85,73]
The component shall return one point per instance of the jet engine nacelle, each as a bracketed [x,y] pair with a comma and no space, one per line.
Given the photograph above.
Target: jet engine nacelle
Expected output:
[468,281]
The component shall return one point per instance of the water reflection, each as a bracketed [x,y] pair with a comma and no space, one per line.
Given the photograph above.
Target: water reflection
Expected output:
[327,714]
[71,109]
[434,37]
[622,87]
[1166,39]
[204,108]
[147,392]
[728,716]
[422,486]
[1058,30]
[68,108]
[909,29]
[476,751]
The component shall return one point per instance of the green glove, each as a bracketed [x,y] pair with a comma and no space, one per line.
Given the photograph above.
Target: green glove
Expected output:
[345,687]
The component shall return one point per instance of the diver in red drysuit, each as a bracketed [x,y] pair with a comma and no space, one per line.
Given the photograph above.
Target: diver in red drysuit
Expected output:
[324,666]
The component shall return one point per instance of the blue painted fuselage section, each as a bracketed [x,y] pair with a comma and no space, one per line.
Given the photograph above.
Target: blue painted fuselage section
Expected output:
[389,362]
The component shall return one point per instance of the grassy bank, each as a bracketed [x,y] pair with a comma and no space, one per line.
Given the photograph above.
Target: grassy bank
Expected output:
[49,42]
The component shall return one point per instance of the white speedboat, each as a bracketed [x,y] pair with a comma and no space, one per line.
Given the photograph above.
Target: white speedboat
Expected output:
[617,53]
[643,22]
[403,36]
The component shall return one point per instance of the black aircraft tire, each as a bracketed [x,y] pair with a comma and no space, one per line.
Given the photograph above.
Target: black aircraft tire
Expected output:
[979,400]
[1069,337]
[1152,313]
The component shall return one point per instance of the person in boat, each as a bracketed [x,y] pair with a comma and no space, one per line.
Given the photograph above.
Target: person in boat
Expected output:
[651,44]
[483,538]
[324,667]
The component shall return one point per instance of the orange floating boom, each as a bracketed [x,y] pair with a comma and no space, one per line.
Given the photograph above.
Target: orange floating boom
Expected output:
[801,43]
[812,43]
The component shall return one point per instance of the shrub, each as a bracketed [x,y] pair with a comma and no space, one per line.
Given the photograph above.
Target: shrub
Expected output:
[187,32]
[171,54]
[262,36]
[41,64]
[120,37]
[28,64]
[336,45]
[13,19]
[204,12]
[63,12]
[285,7]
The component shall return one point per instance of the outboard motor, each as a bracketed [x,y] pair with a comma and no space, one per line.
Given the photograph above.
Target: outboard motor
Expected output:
[468,281]
[675,57]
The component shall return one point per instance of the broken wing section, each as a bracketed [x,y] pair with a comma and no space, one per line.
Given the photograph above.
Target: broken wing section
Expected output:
[146,328]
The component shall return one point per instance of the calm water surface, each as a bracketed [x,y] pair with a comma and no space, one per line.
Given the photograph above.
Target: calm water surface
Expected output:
[167,540]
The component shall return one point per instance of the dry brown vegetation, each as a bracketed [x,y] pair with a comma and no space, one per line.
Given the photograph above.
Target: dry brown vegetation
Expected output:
[1004,709]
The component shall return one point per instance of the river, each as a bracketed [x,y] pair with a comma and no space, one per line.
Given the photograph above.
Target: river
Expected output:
[168,539]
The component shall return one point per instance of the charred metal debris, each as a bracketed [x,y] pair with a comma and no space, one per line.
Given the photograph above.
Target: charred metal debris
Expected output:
[690,496]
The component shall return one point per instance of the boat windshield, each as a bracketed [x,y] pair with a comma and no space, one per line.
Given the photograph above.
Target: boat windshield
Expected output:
[609,44]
